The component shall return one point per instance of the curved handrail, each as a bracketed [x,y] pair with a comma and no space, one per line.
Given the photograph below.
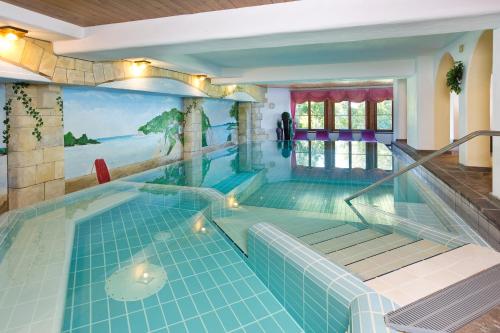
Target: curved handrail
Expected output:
[421,161]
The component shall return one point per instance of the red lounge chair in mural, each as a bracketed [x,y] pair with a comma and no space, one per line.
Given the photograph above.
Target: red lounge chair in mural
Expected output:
[101,170]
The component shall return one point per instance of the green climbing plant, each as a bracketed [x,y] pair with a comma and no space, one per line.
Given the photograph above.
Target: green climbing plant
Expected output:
[6,131]
[21,95]
[454,77]
[60,106]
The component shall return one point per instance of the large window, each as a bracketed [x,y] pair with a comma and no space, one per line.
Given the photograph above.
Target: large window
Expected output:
[310,115]
[350,115]
[358,116]
[384,116]
[342,115]
[302,115]
[317,115]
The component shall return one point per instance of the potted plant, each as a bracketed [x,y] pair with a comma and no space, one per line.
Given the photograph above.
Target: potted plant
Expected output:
[287,126]
[454,77]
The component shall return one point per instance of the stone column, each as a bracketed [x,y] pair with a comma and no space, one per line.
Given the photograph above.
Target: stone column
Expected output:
[258,133]
[244,121]
[35,168]
[192,126]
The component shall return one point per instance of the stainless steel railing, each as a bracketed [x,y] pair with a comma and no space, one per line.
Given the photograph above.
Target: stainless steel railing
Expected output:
[421,161]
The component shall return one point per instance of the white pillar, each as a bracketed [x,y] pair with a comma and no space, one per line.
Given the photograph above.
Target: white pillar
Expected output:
[475,103]
[495,115]
[420,105]
[400,105]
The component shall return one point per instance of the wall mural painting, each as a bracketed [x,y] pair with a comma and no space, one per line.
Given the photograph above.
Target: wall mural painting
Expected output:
[219,122]
[120,126]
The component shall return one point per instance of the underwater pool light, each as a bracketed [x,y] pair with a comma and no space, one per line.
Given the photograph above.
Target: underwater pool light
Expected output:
[145,278]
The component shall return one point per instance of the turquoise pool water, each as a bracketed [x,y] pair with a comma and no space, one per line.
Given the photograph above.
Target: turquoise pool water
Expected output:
[164,250]
[209,287]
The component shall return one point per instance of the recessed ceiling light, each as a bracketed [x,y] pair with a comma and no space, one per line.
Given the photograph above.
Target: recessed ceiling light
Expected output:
[12,33]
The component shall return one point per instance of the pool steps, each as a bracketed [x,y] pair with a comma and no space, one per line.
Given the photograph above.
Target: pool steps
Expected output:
[370,253]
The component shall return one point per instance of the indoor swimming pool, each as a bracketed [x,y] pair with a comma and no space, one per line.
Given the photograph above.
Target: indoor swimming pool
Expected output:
[166,250]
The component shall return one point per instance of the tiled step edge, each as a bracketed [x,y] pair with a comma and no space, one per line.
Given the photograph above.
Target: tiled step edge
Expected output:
[321,296]
[395,223]
[475,221]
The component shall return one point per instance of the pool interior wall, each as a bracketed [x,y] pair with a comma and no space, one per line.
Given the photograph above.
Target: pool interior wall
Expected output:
[163,219]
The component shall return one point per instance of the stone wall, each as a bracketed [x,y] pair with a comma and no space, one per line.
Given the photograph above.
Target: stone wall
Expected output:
[35,168]
[257,132]
[38,57]
[250,122]
[244,121]
[192,107]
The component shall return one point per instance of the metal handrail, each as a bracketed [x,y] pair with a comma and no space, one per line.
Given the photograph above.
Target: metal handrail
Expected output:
[421,161]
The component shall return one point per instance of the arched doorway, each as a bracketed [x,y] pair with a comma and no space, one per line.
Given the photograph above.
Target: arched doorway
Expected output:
[442,116]
[477,151]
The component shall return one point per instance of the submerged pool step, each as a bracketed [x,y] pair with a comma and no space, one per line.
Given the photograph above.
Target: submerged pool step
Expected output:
[342,242]
[370,248]
[330,233]
[392,260]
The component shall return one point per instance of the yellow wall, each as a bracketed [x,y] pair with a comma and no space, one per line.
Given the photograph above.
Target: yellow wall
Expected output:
[478,100]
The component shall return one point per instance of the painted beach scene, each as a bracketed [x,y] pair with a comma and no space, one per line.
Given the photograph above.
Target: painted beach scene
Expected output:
[125,127]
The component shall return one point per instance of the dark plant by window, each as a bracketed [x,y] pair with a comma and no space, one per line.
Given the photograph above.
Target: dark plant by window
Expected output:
[287,126]
[454,77]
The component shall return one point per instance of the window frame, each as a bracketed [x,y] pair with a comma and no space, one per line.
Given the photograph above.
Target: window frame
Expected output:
[309,116]
[349,117]
[392,116]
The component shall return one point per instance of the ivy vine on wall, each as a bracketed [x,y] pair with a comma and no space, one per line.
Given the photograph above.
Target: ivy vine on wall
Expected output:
[20,94]
[454,77]
[8,109]
[60,106]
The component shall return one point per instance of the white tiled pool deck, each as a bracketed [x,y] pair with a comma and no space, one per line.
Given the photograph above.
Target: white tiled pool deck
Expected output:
[413,282]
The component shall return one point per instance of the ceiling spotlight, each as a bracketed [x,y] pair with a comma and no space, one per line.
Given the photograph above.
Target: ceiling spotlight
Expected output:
[139,66]
[12,33]
[8,35]
[201,77]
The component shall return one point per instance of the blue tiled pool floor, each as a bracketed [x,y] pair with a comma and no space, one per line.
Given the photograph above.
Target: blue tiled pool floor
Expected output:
[209,286]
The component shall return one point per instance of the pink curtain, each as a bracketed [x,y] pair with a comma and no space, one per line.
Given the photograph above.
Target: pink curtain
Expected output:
[339,95]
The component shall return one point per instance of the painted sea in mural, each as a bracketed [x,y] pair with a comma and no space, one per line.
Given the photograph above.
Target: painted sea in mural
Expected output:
[218,121]
[120,126]
[125,127]
[117,151]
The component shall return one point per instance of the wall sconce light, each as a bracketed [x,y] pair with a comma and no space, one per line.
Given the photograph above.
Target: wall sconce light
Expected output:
[8,35]
[139,66]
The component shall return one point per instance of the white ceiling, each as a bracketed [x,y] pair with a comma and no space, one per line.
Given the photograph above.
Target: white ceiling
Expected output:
[244,45]
[368,50]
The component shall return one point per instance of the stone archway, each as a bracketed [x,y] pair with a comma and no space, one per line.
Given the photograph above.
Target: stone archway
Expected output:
[442,103]
[477,151]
